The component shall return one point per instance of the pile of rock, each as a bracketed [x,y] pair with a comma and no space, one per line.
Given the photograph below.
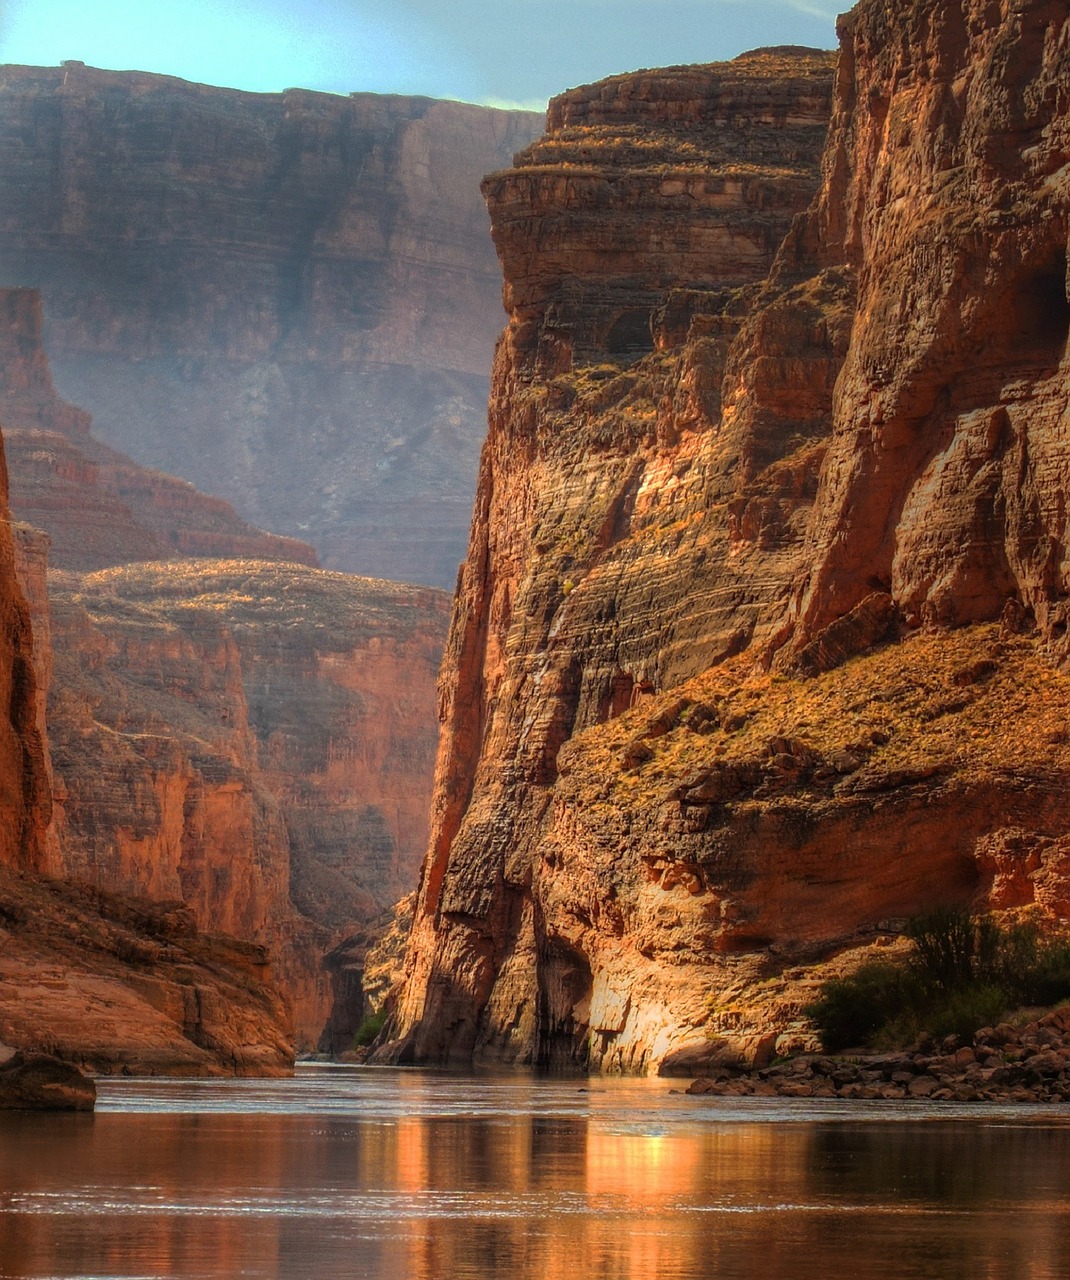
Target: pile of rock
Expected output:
[1001,1064]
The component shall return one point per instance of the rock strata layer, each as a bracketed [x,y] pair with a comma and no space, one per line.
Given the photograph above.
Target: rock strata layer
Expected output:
[289,299]
[757,648]
[98,506]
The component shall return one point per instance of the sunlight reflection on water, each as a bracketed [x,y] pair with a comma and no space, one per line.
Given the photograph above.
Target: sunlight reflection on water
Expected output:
[427,1176]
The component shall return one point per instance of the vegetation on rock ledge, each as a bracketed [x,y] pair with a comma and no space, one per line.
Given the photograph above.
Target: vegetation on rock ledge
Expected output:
[963,972]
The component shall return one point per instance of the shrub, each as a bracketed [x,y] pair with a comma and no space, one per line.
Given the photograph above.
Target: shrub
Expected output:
[369,1029]
[850,1011]
[963,973]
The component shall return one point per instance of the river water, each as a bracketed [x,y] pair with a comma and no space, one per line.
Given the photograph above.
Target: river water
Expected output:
[408,1175]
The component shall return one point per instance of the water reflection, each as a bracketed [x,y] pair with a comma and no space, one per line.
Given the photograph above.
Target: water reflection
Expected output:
[388,1175]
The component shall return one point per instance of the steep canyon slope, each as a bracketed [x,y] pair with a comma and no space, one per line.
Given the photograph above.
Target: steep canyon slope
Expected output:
[703,493]
[253,739]
[106,981]
[288,299]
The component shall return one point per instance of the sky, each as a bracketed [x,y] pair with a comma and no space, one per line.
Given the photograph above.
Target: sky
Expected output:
[497,52]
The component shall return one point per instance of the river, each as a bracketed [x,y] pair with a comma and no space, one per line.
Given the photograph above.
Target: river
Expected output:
[410,1175]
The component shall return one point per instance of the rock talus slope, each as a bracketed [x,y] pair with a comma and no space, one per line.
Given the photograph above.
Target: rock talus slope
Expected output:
[860,459]
[289,299]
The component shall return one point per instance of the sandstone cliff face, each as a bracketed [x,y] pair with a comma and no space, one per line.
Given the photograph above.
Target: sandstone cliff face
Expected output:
[252,739]
[25,795]
[289,299]
[98,506]
[595,574]
[849,459]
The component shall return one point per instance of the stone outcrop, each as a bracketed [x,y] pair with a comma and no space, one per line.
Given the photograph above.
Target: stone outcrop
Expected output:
[98,506]
[40,1082]
[289,299]
[253,739]
[114,984]
[686,530]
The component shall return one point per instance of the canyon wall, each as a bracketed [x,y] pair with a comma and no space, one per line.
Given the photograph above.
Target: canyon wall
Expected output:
[663,802]
[289,299]
[109,983]
[251,738]
[98,506]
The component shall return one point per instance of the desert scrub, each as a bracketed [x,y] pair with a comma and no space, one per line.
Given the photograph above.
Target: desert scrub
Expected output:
[962,973]
[369,1029]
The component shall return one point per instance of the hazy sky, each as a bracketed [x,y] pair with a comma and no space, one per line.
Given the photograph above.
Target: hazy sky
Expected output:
[508,51]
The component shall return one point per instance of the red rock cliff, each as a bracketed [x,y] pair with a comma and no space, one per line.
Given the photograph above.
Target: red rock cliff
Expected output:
[98,506]
[860,454]
[253,739]
[289,299]
[595,573]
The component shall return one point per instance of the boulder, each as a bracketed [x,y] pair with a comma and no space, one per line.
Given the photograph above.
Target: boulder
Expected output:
[40,1082]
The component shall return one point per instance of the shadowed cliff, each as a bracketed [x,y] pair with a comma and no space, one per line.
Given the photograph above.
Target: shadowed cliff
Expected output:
[703,493]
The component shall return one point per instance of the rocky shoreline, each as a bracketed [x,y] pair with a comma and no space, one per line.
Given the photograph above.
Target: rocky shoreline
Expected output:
[1001,1064]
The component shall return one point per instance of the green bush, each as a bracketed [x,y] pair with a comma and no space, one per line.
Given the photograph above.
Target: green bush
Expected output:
[852,1010]
[369,1029]
[964,972]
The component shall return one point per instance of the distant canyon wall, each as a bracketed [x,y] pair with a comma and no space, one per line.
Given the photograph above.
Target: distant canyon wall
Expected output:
[289,299]
[662,796]
[109,983]
[98,506]
[253,738]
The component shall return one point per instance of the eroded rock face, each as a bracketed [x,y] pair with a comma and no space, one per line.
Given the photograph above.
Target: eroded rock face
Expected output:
[595,573]
[289,299]
[869,443]
[947,193]
[98,506]
[251,738]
